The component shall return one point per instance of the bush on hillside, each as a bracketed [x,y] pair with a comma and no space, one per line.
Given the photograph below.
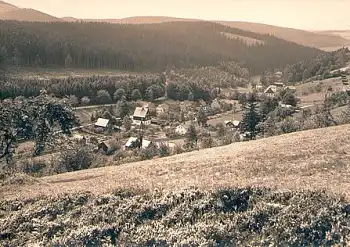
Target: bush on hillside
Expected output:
[227,217]
[75,159]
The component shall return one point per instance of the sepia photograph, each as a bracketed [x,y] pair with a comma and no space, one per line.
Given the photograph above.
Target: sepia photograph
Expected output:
[174,123]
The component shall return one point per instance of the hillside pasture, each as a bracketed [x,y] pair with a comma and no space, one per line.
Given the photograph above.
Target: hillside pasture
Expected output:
[248,41]
[313,93]
[317,159]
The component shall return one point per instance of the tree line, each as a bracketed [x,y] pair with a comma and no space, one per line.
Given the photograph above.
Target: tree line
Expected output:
[321,66]
[144,47]
[183,84]
[98,89]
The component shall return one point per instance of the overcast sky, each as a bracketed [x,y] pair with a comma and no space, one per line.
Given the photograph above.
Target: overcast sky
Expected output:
[303,14]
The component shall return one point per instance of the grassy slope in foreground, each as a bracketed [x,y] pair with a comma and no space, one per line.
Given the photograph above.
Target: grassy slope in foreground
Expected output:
[315,159]
[230,217]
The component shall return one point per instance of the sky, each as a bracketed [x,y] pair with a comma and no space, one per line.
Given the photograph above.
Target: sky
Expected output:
[302,14]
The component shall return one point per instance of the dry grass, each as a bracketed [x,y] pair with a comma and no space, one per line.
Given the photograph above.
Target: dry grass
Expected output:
[247,40]
[316,159]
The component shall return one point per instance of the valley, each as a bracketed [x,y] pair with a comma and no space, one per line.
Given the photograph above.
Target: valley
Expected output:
[165,131]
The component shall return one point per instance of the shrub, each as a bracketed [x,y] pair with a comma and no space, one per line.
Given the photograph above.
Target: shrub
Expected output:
[164,150]
[32,167]
[149,152]
[75,159]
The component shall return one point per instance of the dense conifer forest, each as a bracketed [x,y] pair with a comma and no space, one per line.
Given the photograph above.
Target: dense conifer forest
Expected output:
[145,47]
[321,66]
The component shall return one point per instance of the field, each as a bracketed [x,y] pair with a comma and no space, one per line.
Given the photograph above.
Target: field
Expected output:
[316,159]
[280,191]
[64,73]
[308,96]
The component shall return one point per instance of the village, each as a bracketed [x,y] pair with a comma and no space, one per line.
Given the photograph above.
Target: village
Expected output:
[167,122]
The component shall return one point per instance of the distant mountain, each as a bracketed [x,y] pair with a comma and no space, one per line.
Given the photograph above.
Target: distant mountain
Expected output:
[319,40]
[325,40]
[11,12]
[69,19]
[145,47]
[28,15]
[307,38]
[5,7]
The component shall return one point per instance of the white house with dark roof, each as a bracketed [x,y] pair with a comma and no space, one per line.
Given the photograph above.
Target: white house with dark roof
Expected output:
[181,129]
[271,91]
[102,123]
[132,142]
[162,109]
[141,115]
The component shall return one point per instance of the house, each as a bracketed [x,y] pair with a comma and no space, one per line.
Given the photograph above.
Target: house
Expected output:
[102,123]
[278,84]
[79,138]
[271,91]
[286,106]
[141,115]
[181,130]
[186,106]
[215,105]
[132,143]
[107,146]
[279,74]
[258,87]
[235,124]
[162,109]
[290,88]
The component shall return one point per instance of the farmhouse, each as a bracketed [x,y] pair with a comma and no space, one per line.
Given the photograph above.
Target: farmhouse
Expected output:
[215,105]
[278,84]
[233,124]
[290,88]
[271,91]
[181,129]
[162,109]
[258,87]
[106,146]
[79,138]
[141,115]
[279,74]
[132,143]
[102,123]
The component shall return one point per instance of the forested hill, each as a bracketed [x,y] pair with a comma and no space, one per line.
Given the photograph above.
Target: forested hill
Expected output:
[151,47]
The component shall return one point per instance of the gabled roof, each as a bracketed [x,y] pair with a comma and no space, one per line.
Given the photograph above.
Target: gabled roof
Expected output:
[164,106]
[271,89]
[279,84]
[145,143]
[291,87]
[102,122]
[140,112]
[234,122]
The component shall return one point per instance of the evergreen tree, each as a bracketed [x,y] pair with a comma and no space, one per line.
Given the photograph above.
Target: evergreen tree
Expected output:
[191,136]
[127,123]
[68,62]
[85,100]
[251,116]
[202,118]
[150,94]
[119,93]
[136,95]
[323,116]
[103,97]
[190,96]
[73,100]
[122,107]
